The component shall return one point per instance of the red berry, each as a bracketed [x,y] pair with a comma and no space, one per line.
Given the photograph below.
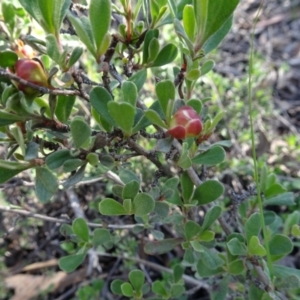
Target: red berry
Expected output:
[185,123]
[33,71]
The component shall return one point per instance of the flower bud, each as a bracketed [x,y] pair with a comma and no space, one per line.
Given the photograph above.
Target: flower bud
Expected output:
[33,71]
[185,123]
[24,51]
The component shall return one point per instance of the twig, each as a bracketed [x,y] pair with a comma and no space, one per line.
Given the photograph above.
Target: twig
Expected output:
[30,214]
[136,147]
[188,279]
[42,89]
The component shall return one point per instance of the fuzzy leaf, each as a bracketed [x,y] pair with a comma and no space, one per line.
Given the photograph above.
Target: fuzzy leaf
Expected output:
[160,247]
[212,156]
[71,262]
[45,184]
[208,191]
[252,226]
[81,228]
[111,207]
[123,114]
[99,14]
[143,204]
[165,56]
[130,93]
[64,107]
[80,131]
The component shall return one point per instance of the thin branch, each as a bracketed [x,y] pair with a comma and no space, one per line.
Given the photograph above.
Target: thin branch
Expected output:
[188,279]
[42,89]
[150,155]
[30,214]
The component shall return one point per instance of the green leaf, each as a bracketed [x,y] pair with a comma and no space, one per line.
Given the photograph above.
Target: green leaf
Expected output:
[58,158]
[7,118]
[136,278]
[75,55]
[201,15]
[123,114]
[191,229]
[196,104]
[255,248]
[130,92]
[189,22]
[207,67]
[64,107]
[116,286]
[204,271]
[75,178]
[165,91]
[53,48]
[252,226]
[214,40]
[211,258]
[61,8]
[284,272]
[153,49]
[81,228]
[184,161]
[111,207]
[100,237]
[93,159]
[80,131]
[9,169]
[181,33]
[289,283]
[130,190]
[187,187]
[45,184]
[139,78]
[8,59]
[217,14]
[236,267]
[8,12]
[161,247]
[291,220]
[127,204]
[32,151]
[280,245]
[18,135]
[126,289]
[32,7]
[208,191]
[193,74]
[235,247]
[71,262]
[282,199]
[154,118]
[84,31]
[274,190]
[143,204]
[72,164]
[212,156]
[166,55]
[47,9]
[211,216]
[178,271]
[127,176]
[159,288]
[99,98]
[219,292]
[100,15]
[151,33]
[177,290]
